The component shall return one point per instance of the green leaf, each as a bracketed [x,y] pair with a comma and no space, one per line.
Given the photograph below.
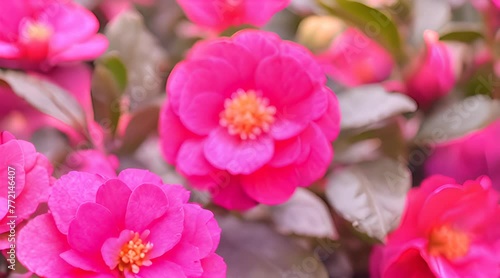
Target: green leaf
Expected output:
[455,119]
[106,95]
[374,23]
[369,104]
[371,195]
[144,58]
[47,97]
[115,65]
[465,36]
[254,249]
[143,122]
[305,214]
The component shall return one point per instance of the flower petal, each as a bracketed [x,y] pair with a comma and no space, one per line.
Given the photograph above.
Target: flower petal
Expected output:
[147,203]
[69,192]
[237,156]
[114,196]
[271,186]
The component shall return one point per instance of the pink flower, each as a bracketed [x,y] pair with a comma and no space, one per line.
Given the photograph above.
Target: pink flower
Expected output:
[432,75]
[40,34]
[112,8]
[354,59]
[92,161]
[221,14]
[448,230]
[249,118]
[468,157]
[129,226]
[26,176]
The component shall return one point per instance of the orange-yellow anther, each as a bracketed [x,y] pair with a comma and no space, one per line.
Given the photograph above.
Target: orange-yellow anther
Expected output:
[133,254]
[247,115]
[37,31]
[448,242]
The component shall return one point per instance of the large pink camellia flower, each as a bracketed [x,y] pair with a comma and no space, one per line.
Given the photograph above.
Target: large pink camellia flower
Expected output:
[221,14]
[249,118]
[354,59]
[26,177]
[468,157]
[448,230]
[129,226]
[40,34]
[423,83]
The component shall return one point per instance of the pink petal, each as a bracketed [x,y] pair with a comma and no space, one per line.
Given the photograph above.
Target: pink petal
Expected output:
[329,122]
[172,133]
[85,50]
[259,12]
[233,197]
[147,203]
[84,261]
[191,161]
[114,195]
[237,156]
[271,186]
[162,269]
[409,262]
[72,24]
[213,266]
[68,193]
[279,75]
[260,44]
[135,177]
[39,246]
[319,158]
[205,13]
[35,192]
[186,256]
[190,78]
[202,113]
[304,57]
[110,249]
[93,224]
[197,232]
[167,230]
[286,152]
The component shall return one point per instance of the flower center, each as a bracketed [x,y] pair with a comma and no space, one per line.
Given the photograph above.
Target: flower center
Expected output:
[247,115]
[449,242]
[36,31]
[133,254]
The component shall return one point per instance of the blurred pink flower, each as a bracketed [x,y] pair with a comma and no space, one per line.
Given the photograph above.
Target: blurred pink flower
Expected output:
[40,34]
[28,173]
[112,8]
[249,118]
[448,230]
[221,14]
[92,161]
[129,226]
[468,157]
[431,76]
[22,119]
[354,59]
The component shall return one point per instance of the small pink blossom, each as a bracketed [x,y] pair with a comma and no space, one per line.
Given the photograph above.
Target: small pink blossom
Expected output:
[92,161]
[41,34]
[354,59]
[249,118]
[129,226]
[221,14]
[468,157]
[432,75]
[26,173]
[448,230]
[112,8]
